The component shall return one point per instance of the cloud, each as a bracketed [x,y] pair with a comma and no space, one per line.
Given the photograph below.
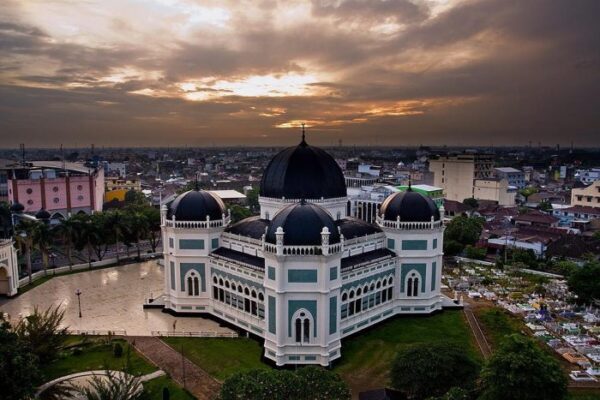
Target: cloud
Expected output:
[390,72]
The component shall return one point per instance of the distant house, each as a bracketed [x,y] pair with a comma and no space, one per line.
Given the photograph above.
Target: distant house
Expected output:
[536,218]
[576,216]
[514,176]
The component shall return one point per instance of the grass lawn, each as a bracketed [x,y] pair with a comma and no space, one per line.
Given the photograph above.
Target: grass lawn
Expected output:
[95,354]
[585,394]
[367,357]
[497,323]
[220,357]
[154,388]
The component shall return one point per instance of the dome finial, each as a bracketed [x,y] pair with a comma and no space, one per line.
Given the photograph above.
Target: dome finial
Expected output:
[303,133]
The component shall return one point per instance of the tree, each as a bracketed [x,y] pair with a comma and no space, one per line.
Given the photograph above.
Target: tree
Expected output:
[252,198]
[471,202]
[85,233]
[43,333]
[137,229]
[115,220]
[152,216]
[308,382]
[18,366]
[43,240]
[431,370]
[66,232]
[565,267]
[520,370]
[133,197]
[463,229]
[452,247]
[5,219]
[545,206]
[584,282]
[113,385]
[527,191]
[238,213]
[596,235]
[24,236]
[476,253]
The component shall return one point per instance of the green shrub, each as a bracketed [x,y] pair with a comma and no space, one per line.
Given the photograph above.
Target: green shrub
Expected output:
[117,350]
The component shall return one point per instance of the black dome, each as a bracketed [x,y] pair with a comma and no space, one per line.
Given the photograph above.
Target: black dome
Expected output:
[410,206]
[17,208]
[42,214]
[195,205]
[302,224]
[303,172]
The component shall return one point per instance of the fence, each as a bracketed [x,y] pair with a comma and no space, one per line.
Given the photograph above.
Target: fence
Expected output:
[82,267]
[97,332]
[195,334]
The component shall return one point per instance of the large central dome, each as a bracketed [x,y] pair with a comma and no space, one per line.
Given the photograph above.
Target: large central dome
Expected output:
[303,172]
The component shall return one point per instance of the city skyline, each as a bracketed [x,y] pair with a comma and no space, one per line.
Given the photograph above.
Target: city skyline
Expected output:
[214,73]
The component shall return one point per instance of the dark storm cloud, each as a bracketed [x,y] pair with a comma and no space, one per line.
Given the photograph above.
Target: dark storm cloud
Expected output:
[504,69]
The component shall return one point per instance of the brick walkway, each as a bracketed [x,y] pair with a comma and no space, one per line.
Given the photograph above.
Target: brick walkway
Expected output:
[197,381]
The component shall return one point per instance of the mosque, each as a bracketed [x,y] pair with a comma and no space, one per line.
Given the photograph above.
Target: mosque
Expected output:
[302,275]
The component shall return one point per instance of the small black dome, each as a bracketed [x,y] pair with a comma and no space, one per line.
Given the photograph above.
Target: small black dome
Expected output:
[410,206]
[303,172]
[17,208]
[302,224]
[42,214]
[195,205]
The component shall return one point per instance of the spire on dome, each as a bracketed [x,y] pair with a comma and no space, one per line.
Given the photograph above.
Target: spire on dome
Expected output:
[303,142]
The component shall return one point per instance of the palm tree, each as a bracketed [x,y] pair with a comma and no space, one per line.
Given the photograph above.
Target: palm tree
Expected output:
[42,239]
[66,231]
[116,220]
[24,236]
[139,226]
[113,385]
[84,234]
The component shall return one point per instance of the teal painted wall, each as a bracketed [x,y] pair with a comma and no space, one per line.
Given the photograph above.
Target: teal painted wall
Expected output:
[414,245]
[172,271]
[433,273]
[391,244]
[435,243]
[420,268]
[302,275]
[272,315]
[191,244]
[184,268]
[332,315]
[308,305]
[271,273]
[333,273]
[214,243]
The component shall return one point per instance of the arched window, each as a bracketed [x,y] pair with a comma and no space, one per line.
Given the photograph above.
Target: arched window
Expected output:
[253,294]
[409,287]
[261,297]
[344,296]
[193,284]
[416,287]
[302,324]
[358,305]
[352,294]
[247,291]
[240,289]
[227,284]
[390,280]
[221,281]
[378,284]
[412,285]
[358,291]
[215,280]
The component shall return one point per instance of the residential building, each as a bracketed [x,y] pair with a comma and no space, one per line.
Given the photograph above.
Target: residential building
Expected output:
[587,196]
[494,189]
[434,193]
[515,177]
[456,174]
[302,275]
[588,176]
[60,188]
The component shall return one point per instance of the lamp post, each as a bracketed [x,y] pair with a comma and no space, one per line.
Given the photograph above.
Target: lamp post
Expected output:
[78,293]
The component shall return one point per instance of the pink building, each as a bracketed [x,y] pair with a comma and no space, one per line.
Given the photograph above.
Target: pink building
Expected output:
[60,188]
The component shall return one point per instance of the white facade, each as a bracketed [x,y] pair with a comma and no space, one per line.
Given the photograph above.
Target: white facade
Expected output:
[9,269]
[303,299]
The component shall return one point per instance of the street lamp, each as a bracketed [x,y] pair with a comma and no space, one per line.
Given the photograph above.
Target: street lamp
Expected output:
[78,293]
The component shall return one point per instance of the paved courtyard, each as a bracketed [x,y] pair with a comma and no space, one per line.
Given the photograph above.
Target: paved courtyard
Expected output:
[111,299]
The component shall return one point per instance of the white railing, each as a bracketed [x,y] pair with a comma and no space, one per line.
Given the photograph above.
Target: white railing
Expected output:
[240,238]
[304,250]
[321,200]
[217,223]
[118,332]
[405,225]
[194,334]
[236,262]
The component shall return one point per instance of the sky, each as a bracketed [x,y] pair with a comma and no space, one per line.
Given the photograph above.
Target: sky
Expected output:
[238,72]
